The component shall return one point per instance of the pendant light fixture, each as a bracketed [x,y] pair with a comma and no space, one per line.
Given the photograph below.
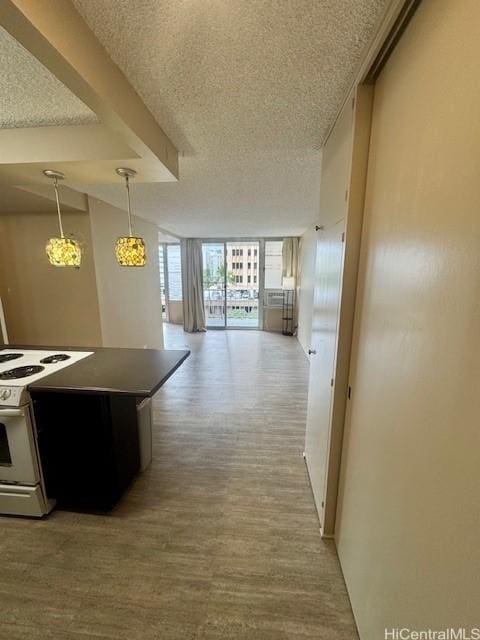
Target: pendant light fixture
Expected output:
[62,251]
[129,250]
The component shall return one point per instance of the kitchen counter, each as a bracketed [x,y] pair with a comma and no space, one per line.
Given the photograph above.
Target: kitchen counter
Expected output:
[132,372]
[90,423]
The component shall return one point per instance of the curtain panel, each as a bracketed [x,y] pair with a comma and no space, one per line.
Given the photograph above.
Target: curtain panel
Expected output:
[192,284]
[290,258]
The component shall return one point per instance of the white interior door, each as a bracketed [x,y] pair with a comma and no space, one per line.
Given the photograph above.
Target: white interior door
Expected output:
[328,271]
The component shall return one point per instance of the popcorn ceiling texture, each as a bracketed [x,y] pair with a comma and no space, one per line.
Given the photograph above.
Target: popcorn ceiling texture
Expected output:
[246,90]
[30,96]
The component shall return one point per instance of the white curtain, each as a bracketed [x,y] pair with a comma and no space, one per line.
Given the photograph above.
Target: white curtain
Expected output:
[290,258]
[192,284]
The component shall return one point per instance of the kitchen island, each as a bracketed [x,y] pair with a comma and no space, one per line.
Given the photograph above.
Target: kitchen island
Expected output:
[86,423]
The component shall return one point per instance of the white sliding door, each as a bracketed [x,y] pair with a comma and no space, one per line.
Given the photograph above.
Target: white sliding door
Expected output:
[328,274]
[341,210]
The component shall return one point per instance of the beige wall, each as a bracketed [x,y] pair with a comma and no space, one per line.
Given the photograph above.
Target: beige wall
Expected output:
[408,515]
[129,298]
[272,319]
[175,311]
[305,288]
[45,304]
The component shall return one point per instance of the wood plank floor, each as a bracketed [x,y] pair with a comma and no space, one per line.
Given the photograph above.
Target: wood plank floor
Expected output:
[218,539]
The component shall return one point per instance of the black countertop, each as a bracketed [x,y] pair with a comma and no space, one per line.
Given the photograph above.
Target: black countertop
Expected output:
[134,372]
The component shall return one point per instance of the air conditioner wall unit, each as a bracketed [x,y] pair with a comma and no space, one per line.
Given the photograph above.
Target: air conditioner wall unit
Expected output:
[273,298]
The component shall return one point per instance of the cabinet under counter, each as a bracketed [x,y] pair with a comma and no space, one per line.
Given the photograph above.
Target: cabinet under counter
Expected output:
[87,424]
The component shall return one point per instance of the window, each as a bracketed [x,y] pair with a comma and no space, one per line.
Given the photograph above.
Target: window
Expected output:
[249,279]
[5,457]
[241,252]
[254,279]
[273,264]
[161,264]
[174,268]
[240,265]
[255,252]
[240,278]
[249,252]
[249,265]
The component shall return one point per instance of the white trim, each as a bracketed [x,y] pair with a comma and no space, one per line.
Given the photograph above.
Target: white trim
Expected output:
[3,324]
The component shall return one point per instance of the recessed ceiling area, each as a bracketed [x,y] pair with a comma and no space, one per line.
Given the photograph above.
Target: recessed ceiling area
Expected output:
[246,91]
[67,106]
[31,96]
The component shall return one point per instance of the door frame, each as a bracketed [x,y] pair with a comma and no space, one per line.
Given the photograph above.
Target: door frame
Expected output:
[261,275]
[165,278]
[358,146]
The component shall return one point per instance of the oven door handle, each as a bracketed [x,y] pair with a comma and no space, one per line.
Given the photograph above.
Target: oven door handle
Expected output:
[11,413]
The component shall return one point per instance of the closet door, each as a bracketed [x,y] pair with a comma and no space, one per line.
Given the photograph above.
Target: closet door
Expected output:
[328,277]
[344,167]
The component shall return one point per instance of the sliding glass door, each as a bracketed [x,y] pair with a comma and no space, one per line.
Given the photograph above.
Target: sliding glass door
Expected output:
[231,282]
[242,284]
[214,283]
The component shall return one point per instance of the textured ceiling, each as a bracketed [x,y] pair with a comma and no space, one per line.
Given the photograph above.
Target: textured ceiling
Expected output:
[30,95]
[246,91]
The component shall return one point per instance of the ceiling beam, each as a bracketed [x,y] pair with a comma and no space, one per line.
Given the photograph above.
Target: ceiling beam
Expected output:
[61,144]
[68,197]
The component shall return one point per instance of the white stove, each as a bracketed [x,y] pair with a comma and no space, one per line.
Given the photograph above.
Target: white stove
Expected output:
[20,367]
[22,486]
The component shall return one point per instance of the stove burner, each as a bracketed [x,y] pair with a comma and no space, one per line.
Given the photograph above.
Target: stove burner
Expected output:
[6,357]
[20,372]
[57,357]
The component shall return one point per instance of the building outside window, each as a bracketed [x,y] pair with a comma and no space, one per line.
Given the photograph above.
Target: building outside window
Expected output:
[236,294]
[161,264]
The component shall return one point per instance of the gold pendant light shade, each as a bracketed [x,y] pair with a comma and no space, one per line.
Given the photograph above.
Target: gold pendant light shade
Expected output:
[129,250]
[61,252]
[64,252]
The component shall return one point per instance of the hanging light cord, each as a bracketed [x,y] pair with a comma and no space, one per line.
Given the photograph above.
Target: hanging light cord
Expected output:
[55,184]
[130,228]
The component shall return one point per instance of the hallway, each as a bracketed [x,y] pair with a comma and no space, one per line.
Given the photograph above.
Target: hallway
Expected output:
[237,479]
[217,540]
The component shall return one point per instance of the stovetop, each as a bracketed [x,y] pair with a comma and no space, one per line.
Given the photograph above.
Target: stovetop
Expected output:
[20,367]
